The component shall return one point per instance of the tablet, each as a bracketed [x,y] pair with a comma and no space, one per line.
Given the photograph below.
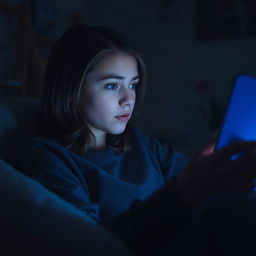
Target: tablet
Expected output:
[240,118]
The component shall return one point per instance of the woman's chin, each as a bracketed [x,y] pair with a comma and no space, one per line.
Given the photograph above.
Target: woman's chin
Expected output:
[118,130]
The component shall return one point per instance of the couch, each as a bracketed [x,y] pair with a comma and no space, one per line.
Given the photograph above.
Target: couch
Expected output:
[18,124]
[33,220]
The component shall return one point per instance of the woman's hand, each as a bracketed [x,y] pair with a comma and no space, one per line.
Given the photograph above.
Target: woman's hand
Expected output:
[212,172]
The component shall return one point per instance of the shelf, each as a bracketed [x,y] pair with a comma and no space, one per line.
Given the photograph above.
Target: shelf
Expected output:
[31,52]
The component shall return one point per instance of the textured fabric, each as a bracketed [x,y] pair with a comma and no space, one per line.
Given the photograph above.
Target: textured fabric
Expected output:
[103,183]
[35,221]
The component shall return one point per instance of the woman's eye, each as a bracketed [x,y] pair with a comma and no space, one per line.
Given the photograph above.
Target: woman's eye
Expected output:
[111,86]
[133,86]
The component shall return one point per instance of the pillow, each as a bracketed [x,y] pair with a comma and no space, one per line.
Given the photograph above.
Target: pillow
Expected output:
[35,221]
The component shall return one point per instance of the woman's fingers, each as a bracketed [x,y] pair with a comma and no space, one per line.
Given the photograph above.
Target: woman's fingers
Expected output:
[243,169]
[240,173]
[206,150]
[233,149]
[217,172]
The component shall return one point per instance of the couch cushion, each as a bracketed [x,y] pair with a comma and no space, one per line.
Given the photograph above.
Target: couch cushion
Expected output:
[35,221]
[18,124]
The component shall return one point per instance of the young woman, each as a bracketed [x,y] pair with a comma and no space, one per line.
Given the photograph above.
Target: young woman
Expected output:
[90,153]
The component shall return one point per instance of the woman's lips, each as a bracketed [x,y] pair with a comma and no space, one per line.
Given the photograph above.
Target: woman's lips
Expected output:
[123,118]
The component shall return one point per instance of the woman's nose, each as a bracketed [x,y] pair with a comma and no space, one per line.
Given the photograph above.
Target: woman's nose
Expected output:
[128,98]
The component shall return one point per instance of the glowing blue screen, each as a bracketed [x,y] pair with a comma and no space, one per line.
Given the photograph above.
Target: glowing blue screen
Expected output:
[240,119]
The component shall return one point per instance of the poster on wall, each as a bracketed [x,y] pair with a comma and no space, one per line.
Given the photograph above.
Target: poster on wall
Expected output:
[225,19]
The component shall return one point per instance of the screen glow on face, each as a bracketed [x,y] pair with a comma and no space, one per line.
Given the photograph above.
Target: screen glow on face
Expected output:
[109,93]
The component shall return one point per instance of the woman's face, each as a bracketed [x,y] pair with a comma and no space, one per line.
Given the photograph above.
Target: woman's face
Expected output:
[108,95]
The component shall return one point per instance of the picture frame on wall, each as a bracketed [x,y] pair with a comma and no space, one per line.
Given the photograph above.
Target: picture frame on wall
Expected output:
[225,19]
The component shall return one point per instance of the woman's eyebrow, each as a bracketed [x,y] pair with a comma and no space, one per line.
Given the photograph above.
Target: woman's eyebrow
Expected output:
[135,78]
[110,76]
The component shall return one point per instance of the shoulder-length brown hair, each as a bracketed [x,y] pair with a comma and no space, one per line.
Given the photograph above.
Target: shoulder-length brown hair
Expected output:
[73,56]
